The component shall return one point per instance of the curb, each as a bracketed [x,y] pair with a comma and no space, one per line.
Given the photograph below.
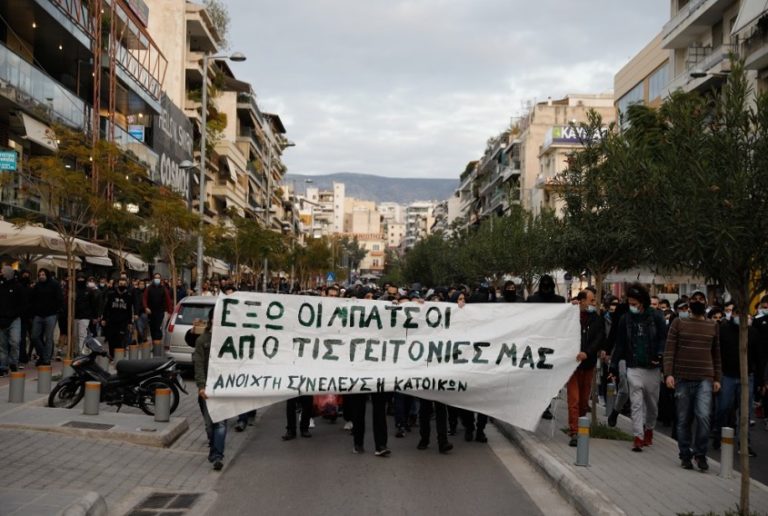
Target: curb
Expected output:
[585,498]
[90,504]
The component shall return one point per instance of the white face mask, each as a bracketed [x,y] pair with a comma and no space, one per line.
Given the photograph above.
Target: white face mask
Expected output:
[90,284]
[591,308]
[763,311]
[634,309]
[683,315]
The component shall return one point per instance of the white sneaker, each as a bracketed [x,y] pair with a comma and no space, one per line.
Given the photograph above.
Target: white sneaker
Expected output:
[348,426]
[311,422]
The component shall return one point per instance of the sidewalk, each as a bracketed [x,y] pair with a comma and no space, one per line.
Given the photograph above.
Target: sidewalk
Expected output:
[49,469]
[619,481]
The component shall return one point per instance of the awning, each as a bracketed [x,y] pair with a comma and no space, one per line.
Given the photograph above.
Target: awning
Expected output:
[749,11]
[31,239]
[99,260]
[39,133]
[54,262]
[217,266]
[230,166]
[132,261]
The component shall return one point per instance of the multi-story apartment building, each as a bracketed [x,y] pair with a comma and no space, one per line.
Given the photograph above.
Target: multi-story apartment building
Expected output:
[444,214]
[539,159]
[395,233]
[644,78]
[418,222]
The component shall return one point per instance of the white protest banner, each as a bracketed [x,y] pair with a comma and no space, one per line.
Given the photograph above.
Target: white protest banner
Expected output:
[504,360]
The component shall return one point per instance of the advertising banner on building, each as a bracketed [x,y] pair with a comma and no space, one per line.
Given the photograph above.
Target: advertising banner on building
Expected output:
[504,360]
[173,142]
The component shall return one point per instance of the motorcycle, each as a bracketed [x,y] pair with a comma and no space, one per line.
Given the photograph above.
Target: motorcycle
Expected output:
[134,384]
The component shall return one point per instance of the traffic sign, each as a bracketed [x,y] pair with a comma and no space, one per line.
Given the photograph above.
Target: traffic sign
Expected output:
[330,277]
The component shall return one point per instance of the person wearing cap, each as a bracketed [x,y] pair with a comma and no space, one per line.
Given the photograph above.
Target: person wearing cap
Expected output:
[640,337]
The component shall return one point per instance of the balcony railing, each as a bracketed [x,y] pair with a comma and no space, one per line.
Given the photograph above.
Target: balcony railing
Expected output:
[127,142]
[33,89]
[682,15]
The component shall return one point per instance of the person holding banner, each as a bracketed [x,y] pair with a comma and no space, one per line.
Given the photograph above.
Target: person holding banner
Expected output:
[580,383]
[217,432]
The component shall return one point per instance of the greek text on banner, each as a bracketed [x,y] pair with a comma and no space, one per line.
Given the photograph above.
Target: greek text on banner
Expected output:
[504,360]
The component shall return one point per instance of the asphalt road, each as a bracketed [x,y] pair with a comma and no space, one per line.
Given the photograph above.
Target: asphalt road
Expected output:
[321,475]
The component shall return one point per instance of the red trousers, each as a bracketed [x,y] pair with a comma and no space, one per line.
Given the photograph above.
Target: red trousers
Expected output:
[579,386]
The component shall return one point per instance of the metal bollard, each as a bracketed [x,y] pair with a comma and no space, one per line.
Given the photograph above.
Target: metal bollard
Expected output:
[582,446]
[67,370]
[157,350]
[44,373]
[16,390]
[133,352]
[92,398]
[162,405]
[145,350]
[119,355]
[726,453]
[610,398]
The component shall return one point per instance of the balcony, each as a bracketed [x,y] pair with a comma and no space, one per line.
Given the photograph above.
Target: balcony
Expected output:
[25,85]
[712,62]
[140,151]
[694,19]
[755,49]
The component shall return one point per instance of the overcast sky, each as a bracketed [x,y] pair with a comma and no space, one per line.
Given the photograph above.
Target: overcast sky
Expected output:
[415,88]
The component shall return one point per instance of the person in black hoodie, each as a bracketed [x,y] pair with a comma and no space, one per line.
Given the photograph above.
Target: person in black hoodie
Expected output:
[157,303]
[46,301]
[592,342]
[546,292]
[727,399]
[12,300]
[118,315]
[85,310]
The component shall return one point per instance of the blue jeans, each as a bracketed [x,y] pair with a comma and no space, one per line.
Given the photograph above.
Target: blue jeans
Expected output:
[217,433]
[693,400]
[42,337]
[9,345]
[728,398]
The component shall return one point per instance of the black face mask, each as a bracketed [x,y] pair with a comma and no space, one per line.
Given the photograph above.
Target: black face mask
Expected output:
[697,308]
[510,295]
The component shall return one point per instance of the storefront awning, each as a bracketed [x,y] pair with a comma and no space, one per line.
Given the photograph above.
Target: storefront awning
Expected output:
[132,261]
[39,133]
[54,261]
[101,261]
[30,239]
[217,266]
[749,11]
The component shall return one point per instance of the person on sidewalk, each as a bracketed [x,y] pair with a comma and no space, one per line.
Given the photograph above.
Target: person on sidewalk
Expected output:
[85,311]
[692,368]
[157,303]
[729,396]
[46,301]
[117,317]
[217,432]
[580,383]
[640,341]
[12,300]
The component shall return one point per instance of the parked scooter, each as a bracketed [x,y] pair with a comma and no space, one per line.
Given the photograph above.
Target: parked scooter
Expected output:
[133,385]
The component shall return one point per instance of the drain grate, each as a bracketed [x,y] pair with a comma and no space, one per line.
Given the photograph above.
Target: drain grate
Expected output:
[87,425]
[165,504]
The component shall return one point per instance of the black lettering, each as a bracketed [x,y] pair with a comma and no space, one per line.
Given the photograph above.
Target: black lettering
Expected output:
[353,347]
[393,309]
[397,343]
[509,352]
[219,384]
[380,385]
[527,358]
[435,351]
[369,350]
[273,316]
[329,343]
[374,314]
[431,323]
[398,384]
[479,352]
[342,313]
[275,346]
[457,352]
[408,318]
[364,387]
[228,347]
[306,322]
[543,352]
[225,311]
[332,384]
[230,381]
[421,350]
[352,311]
[301,341]
[462,386]
[310,384]
[250,340]
[292,382]
[253,315]
[277,382]
[447,356]
[448,318]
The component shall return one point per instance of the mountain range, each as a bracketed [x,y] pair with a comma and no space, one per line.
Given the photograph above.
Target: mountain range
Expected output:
[366,187]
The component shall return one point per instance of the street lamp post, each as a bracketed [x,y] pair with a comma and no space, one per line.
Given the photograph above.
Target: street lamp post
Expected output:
[236,57]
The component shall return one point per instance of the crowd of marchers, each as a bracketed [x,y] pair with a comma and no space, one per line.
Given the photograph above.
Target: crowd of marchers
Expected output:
[675,364]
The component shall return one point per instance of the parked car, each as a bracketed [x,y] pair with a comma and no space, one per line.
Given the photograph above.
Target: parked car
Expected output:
[186,312]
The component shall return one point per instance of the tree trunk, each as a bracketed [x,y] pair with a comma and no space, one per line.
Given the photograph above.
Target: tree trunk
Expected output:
[598,297]
[744,405]
[70,299]
[172,262]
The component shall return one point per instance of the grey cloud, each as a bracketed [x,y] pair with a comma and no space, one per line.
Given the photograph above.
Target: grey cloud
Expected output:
[414,88]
